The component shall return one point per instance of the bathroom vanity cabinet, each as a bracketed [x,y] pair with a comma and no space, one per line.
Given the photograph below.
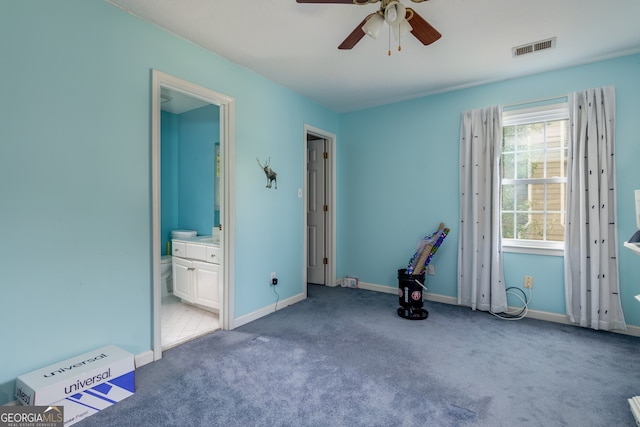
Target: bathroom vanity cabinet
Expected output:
[196,271]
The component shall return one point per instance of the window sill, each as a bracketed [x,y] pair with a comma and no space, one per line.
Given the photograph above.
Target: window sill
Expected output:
[524,248]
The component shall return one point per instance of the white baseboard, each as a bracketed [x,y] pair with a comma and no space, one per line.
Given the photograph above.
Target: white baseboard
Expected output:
[144,358]
[562,318]
[394,291]
[632,330]
[445,299]
[247,318]
[532,314]
[377,288]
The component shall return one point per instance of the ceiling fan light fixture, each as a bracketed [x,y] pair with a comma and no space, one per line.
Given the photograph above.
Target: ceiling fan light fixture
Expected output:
[401,29]
[401,20]
[394,13]
[373,25]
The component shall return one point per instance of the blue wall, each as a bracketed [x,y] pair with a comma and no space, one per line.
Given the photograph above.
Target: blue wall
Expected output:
[168,177]
[398,178]
[199,132]
[75,178]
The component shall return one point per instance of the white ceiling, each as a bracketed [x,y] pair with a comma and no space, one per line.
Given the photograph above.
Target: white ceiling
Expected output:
[296,44]
[176,102]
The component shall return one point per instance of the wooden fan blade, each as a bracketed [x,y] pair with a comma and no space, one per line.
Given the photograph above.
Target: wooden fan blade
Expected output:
[356,35]
[421,29]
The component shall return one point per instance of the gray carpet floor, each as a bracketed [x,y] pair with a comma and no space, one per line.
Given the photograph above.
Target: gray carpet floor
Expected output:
[343,357]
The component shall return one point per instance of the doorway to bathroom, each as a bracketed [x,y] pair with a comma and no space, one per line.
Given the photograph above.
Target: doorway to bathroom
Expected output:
[192,141]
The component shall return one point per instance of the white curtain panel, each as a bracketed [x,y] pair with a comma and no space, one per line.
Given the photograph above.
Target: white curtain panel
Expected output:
[480,274]
[591,248]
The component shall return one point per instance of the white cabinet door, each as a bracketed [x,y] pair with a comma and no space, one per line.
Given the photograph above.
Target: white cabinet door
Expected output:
[194,281]
[205,284]
[182,282]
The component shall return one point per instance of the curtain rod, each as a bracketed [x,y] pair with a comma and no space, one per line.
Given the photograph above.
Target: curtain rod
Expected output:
[535,101]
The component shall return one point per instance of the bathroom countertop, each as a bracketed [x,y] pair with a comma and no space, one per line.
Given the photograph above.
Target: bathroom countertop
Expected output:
[201,240]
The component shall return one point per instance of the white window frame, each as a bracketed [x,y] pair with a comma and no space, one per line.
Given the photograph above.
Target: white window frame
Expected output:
[521,116]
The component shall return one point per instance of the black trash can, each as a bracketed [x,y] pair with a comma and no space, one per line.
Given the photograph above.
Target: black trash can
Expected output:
[410,296]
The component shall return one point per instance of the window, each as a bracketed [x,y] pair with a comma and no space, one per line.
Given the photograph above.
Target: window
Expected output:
[534,178]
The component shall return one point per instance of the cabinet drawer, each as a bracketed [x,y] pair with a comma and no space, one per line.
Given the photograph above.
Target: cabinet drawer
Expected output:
[213,255]
[178,249]
[196,252]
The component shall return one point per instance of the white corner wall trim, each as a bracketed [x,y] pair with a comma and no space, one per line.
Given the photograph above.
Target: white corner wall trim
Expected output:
[532,314]
[247,318]
[144,358]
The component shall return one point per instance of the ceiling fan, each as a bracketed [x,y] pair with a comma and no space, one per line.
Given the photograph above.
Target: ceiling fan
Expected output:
[400,19]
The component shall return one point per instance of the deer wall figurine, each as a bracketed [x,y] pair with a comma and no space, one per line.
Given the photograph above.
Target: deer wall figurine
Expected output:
[271,175]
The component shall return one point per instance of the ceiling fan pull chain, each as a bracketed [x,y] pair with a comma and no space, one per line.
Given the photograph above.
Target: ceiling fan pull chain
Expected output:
[389,51]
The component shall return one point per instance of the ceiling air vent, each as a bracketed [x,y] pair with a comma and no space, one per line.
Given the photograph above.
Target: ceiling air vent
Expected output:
[534,47]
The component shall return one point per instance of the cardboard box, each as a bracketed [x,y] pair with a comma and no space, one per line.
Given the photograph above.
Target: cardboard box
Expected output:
[88,402]
[84,384]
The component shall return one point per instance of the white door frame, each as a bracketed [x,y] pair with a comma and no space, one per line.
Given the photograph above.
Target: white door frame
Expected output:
[330,180]
[227,139]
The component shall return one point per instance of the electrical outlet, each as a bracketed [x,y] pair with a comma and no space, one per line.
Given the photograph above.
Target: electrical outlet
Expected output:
[274,279]
[431,269]
[528,282]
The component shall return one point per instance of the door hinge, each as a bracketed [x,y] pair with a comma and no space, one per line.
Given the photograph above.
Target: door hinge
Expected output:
[325,260]
[325,155]
[325,208]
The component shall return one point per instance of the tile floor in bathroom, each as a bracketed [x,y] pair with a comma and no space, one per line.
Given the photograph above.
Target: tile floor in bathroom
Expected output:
[184,322]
